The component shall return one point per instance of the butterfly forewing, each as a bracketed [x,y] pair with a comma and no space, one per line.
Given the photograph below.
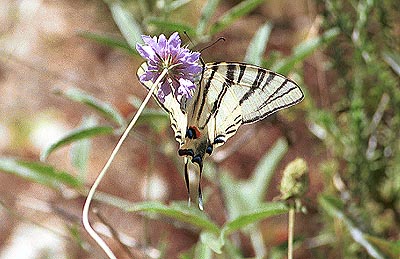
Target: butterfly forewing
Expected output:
[259,92]
[228,95]
[237,93]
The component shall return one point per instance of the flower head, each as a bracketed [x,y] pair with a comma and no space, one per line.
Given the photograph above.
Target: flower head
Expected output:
[182,65]
[294,182]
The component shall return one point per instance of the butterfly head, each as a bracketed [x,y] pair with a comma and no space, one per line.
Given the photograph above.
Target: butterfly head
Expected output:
[196,145]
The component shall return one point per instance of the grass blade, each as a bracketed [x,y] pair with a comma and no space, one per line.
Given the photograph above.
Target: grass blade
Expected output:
[76,135]
[108,41]
[206,13]
[164,25]
[202,251]
[212,241]
[303,50]
[128,26]
[249,194]
[175,5]
[390,248]
[335,209]
[105,109]
[39,173]
[177,211]
[393,59]
[158,120]
[258,184]
[80,149]
[264,211]
[80,156]
[256,49]
[234,13]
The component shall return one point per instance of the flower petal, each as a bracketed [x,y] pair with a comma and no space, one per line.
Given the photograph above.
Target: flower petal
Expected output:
[174,40]
[152,42]
[163,91]
[146,52]
[185,88]
[183,65]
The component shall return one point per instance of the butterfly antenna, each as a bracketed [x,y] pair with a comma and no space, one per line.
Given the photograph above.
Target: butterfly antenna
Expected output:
[212,44]
[209,46]
[187,35]
[201,59]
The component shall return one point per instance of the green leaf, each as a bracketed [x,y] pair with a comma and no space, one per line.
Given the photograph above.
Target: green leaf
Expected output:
[76,135]
[264,211]
[157,119]
[248,195]
[235,13]
[258,184]
[202,251]
[74,231]
[172,6]
[128,26]
[212,241]
[178,211]
[335,209]
[39,173]
[206,13]
[164,25]
[105,109]
[303,50]
[108,41]
[393,59]
[390,248]
[80,150]
[80,156]
[256,49]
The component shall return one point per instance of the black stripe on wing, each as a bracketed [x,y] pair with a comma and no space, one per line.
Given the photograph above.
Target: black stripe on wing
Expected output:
[205,91]
[230,75]
[274,97]
[256,84]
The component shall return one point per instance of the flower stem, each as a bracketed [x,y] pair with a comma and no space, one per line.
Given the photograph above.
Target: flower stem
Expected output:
[290,232]
[89,198]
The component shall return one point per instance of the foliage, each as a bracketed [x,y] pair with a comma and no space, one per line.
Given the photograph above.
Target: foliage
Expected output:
[362,131]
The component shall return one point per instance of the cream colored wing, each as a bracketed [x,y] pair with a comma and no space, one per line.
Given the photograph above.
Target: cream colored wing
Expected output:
[171,106]
[237,93]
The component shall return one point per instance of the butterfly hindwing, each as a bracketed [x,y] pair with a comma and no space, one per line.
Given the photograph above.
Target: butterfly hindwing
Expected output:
[171,106]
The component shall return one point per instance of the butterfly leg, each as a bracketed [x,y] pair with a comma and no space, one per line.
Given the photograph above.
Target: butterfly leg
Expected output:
[187,180]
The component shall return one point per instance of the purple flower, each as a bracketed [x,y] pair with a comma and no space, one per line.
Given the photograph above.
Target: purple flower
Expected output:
[182,65]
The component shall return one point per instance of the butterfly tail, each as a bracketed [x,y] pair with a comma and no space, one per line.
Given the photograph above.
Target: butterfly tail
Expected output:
[201,207]
[187,179]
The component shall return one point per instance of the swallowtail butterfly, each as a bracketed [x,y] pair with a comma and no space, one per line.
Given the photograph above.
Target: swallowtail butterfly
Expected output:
[227,95]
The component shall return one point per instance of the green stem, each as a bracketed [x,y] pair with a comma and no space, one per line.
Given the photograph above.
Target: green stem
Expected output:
[258,243]
[89,198]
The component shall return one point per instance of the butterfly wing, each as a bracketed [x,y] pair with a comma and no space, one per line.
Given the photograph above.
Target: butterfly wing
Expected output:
[228,95]
[176,111]
[238,93]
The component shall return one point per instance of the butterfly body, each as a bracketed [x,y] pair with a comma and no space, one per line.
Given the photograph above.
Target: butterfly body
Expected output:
[228,94]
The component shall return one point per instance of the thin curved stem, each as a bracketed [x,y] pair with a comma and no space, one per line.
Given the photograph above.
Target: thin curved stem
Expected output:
[291,229]
[89,198]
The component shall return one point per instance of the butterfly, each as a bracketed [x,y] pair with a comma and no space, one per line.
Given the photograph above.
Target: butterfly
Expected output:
[228,94]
